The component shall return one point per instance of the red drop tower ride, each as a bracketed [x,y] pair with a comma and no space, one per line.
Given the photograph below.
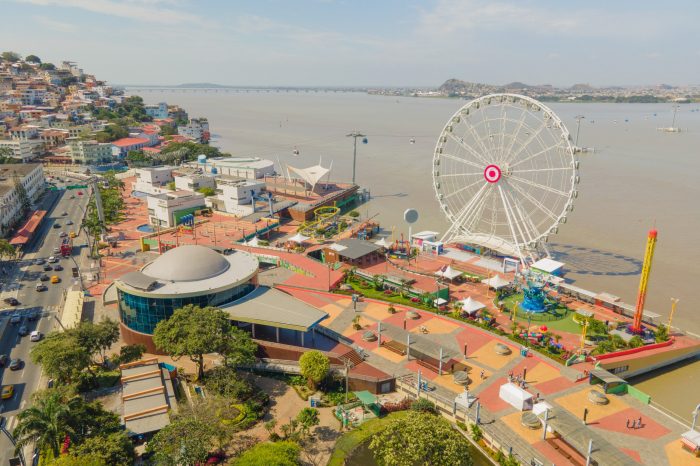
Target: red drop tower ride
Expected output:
[644,280]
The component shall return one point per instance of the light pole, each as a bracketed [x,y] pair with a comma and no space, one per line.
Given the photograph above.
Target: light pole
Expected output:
[355,134]
[578,127]
[674,301]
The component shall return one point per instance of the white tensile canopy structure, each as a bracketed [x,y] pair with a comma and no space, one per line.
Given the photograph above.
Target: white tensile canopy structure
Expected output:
[298,238]
[311,175]
[449,273]
[470,306]
[383,243]
[496,282]
[252,242]
[515,396]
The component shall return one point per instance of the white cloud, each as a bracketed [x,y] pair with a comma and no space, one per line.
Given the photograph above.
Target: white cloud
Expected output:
[149,11]
[55,25]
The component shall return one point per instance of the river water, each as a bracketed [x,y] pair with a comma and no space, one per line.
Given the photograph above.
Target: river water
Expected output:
[636,179]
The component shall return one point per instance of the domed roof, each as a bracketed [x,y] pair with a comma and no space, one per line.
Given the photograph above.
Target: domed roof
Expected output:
[187,263]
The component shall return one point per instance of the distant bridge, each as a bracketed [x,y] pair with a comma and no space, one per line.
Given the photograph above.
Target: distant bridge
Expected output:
[242,90]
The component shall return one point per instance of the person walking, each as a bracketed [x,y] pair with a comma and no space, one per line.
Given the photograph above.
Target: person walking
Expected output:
[628,423]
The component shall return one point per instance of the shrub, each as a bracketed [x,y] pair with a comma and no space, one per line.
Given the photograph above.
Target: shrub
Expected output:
[477,433]
[402,405]
[353,214]
[424,405]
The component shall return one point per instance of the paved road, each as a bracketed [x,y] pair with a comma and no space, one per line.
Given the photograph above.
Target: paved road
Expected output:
[20,282]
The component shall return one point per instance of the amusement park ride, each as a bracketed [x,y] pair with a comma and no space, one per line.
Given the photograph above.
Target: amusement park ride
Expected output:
[636,326]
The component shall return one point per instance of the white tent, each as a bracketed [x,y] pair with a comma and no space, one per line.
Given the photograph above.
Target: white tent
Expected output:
[515,396]
[541,407]
[383,243]
[312,175]
[448,273]
[465,400]
[496,282]
[252,242]
[439,301]
[470,306]
[298,238]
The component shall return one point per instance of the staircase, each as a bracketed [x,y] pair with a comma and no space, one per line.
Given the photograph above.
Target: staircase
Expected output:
[351,357]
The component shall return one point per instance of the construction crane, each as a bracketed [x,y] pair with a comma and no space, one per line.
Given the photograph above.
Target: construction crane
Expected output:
[644,280]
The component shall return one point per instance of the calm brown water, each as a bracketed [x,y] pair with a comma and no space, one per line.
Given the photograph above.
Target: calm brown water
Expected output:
[637,178]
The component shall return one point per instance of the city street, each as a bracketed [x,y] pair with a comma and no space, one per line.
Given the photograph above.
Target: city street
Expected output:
[19,281]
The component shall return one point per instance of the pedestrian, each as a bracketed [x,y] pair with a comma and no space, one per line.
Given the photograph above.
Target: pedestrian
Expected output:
[628,423]
[482,374]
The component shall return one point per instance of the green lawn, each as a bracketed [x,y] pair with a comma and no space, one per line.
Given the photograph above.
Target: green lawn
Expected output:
[566,324]
[350,440]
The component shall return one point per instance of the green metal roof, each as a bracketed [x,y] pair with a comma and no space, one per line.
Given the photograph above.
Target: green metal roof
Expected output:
[366,397]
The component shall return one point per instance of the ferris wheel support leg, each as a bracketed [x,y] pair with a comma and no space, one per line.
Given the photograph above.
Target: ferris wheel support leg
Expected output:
[458,221]
[510,224]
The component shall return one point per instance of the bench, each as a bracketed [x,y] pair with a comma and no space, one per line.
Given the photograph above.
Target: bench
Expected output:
[428,365]
[395,346]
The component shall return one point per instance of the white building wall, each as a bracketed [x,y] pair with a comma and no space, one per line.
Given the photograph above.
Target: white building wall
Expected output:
[162,207]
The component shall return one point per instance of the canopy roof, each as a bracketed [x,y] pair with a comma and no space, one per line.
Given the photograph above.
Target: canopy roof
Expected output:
[470,305]
[547,265]
[366,397]
[252,241]
[448,272]
[298,238]
[312,175]
[383,243]
[496,282]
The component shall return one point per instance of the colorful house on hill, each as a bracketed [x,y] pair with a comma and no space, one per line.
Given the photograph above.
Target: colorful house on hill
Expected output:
[122,146]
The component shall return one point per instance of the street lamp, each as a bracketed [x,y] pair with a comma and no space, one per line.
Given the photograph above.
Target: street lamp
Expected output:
[355,134]
[578,127]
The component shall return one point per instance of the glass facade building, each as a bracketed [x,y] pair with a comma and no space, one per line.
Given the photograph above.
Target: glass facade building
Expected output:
[142,314]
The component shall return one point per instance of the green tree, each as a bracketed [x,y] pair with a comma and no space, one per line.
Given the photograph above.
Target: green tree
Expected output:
[137,158]
[424,405]
[47,66]
[314,366]
[185,441]
[73,459]
[224,381]
[284,453]
[114,449]
[661,334]
[32,59]
[11,57]
[420,438]
[46,423]
[171,186]
[635,342]
[61,356]
[207,191]
[477,433]
[193,331]
[308,418]
[237,347]
[24,202]
[6,249]
[130,353]
[96,338]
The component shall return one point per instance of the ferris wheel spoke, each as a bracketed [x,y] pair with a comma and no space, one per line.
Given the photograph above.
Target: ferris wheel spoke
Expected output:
[451,175]
[468,148]
[534,201]
[538,185]
[461,160]
[476,137]
[521,123]
[552,169]
[511,224]
[536,154]
[522,147]
[525,220]
[476,213]
[463,188]
[458,219]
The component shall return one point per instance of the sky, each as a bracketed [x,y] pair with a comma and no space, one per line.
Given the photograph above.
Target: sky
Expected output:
[362,42]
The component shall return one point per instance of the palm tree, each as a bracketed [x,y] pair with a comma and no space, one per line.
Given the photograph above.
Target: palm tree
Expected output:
[404,287]
[46,423]
[378,281]
[6,249]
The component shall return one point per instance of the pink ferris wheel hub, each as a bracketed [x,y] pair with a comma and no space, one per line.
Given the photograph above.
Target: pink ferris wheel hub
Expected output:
[492,173]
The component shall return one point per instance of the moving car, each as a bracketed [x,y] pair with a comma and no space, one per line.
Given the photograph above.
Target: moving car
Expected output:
[34,314]
[11,301]
[56,250]
[23,331]
[16,318]
[58,267]
[40,287]
[63,234]
[64,214]
[53,259]
[55,279]
[69,222]
[57,225]
[15,364]
[40,262]
[72,234]
[72,196]
[8,391]
[35,336]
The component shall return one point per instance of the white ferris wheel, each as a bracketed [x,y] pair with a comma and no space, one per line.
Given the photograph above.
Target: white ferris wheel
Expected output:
[505,174]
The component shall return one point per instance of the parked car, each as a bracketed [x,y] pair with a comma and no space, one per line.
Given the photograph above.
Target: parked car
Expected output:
[11,301]
[44,278]
[63,234]
[8,391]
[58,267]
[41,287]
[57,225]
[53,259]
[47,268]
[34,314]
[64,214]
[35,336]
[56,250]
[55,279]
[69,222]
[15,364]
[73,234]
[16,318]
[40,262]
[23,331]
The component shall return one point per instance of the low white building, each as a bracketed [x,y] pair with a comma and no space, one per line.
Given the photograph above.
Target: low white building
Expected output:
[153,180]
[159,110]
[165,209]
[240,167]
[24,150]
[236,195]
[193,182]
[196,128]
[31,176]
